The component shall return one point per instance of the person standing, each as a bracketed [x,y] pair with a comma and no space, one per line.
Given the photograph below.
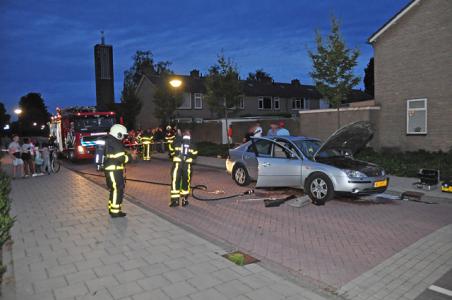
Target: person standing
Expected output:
[28,157]
[14,151]
[182,157]
[146,140]
[115,158]
[248,135]
[257,130]
[230,135]
[273,131]
[169,139]
[282,130]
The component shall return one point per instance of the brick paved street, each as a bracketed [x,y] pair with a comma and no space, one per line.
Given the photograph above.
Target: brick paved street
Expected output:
[65,246]
[328,246]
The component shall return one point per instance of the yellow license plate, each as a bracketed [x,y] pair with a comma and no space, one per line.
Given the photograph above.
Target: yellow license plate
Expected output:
[382,183]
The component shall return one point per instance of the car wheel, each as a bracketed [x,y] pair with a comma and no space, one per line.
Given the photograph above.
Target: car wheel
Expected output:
[319,188]
[71,156]
[240,175]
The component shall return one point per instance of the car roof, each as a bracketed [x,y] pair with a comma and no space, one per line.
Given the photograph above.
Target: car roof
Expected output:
[292,138]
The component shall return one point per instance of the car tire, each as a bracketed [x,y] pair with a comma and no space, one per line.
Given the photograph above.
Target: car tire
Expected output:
[240,175]
[71,156]
[319,188]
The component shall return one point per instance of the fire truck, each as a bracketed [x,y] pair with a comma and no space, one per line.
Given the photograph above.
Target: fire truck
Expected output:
[77,130]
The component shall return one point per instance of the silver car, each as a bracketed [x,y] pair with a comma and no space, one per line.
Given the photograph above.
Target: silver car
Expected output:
[321,169]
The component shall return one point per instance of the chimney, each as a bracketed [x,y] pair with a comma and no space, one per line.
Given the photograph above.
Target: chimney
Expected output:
[194,73]
[295,82]
[102,38]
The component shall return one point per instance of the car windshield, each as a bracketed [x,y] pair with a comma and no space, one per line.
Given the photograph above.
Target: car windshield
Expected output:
[308,147]
[94,124]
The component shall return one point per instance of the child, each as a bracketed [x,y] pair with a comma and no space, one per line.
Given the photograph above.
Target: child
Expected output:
[46,158]
[38,161]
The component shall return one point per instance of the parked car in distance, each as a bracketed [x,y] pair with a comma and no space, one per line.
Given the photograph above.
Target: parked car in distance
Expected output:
[320,169]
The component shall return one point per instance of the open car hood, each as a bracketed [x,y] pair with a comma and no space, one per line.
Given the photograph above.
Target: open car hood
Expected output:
[347,140]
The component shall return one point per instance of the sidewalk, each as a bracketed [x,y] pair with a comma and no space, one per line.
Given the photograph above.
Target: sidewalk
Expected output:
[397,185]
[65,246]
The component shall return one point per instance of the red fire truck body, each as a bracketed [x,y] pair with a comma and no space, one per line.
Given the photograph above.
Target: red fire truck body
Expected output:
[78,129]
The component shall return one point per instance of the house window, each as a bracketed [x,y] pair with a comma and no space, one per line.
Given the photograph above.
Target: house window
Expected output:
[264,103]
[297,104]
[198,100]
[416,120]
[186,102]
[276,103]
[242,102]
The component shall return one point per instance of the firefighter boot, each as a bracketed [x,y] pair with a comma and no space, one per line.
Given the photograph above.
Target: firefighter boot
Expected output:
[174,203]
[118,215]
[184,200]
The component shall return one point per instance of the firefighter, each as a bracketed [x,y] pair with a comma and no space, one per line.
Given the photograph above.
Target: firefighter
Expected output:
[115,158]
[182,155]
[146,141]
[169,139]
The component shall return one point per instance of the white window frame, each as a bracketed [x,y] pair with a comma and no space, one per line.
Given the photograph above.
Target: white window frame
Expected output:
[260,103]
[294,101]
[198,96]
[408,110]
[276,100]
[190,102]
[242,102]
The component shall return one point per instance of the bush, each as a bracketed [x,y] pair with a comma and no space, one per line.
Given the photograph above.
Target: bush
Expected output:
[407,164]
[212,149]
[6,221]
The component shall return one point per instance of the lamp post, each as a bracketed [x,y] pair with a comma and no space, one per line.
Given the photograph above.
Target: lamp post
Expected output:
[18,111]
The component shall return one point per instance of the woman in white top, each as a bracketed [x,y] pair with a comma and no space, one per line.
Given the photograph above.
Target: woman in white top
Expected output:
[14,151]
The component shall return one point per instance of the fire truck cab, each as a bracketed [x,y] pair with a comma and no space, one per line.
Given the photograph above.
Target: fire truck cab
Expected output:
[78,129]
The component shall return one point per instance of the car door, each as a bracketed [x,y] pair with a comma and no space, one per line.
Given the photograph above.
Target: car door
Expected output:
[281,168]
[258,147]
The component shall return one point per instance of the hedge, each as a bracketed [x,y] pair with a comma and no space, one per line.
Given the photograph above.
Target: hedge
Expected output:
[6,221]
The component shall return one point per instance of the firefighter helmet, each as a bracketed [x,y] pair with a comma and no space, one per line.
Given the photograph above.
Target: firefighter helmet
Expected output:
[168,127]
[118,131]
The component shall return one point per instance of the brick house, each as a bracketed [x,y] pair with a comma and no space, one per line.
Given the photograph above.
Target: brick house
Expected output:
[413,77]
[259,99]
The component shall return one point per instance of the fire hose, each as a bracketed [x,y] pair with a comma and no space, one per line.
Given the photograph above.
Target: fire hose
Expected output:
[193,188]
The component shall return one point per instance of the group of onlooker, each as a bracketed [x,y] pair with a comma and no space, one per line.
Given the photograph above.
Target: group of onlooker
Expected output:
[28,158]
[257,131]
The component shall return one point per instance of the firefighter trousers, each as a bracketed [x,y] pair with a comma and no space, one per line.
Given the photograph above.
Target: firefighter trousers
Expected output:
[180,180]
[115,183]
[146,151]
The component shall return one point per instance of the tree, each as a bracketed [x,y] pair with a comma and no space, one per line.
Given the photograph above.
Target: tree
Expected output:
[4,117]
[369,78]
[223,87]
[333,65]
[34,115]
[260,75]
[143,63]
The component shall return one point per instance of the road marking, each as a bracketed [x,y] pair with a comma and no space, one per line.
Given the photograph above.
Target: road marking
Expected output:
[440,290]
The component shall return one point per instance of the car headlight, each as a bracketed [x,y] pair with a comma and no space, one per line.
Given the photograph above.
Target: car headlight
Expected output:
[354,174]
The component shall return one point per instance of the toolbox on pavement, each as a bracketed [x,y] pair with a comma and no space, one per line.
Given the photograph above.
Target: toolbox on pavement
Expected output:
[427,178]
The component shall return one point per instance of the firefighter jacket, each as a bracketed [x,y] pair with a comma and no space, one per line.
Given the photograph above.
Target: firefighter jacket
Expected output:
[146,139]
[183,150]
[115,154]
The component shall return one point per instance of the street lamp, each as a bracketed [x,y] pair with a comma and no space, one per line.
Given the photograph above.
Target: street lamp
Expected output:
[175,83]
[34,123]
[17,111]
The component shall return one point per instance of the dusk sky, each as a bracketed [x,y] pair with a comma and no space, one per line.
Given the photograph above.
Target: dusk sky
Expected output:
[47,46]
